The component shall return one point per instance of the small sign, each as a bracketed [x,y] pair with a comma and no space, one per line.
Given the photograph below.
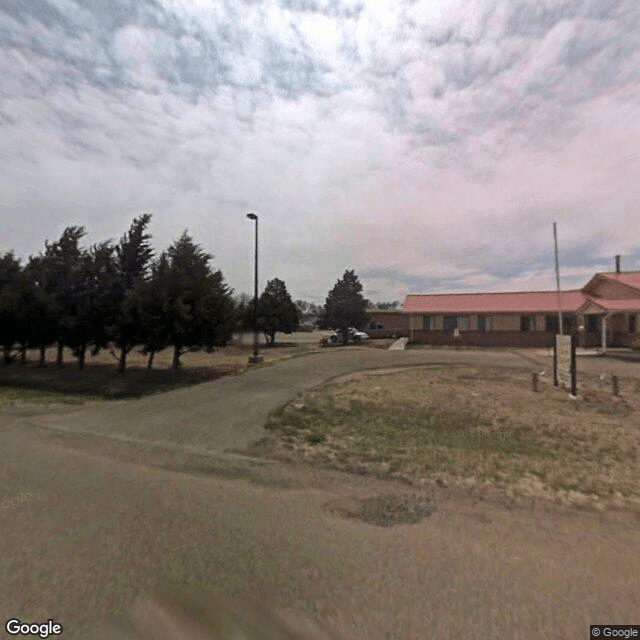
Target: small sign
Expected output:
[565,362]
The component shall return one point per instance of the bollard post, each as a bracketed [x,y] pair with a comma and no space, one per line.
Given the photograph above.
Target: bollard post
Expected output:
[574,377]
[614,382]
[534,381]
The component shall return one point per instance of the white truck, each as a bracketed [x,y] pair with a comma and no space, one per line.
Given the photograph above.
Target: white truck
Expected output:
[353,335]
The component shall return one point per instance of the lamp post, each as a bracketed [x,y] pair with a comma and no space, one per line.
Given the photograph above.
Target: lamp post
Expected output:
[255,358]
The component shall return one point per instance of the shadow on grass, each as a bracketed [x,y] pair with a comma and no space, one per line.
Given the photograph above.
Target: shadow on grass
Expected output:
[625,357]
[100,380]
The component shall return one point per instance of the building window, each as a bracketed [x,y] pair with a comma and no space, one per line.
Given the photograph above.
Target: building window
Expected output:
[632,323]
[450,323]
[552,323]
[484,323]
[567,323]
[592,323]
[526,323]
[427,323]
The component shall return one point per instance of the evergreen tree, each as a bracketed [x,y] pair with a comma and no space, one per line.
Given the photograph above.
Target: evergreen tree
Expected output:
[42,310]
[345,306]
[10,329]
[23,294]
[199,308]
[91,304]
[244,313]
[58,268]
[146,306]
[133,255]
[276,311]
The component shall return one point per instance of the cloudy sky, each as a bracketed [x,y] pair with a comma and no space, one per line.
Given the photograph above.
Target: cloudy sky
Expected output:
[427,144]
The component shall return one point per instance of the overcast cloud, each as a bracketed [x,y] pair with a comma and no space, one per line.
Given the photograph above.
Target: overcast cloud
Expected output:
[428,144]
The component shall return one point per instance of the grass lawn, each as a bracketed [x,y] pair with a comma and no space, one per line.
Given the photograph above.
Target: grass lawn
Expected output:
[473,427]
[18,396]
[28,384]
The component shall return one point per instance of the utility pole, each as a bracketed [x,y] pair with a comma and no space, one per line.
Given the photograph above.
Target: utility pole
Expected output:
[555,241]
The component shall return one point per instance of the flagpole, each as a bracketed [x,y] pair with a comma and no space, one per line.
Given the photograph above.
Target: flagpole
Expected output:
[555,241]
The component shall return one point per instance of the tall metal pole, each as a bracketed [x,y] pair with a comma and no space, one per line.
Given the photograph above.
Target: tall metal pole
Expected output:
[255,358]
[555,240]
[255,298]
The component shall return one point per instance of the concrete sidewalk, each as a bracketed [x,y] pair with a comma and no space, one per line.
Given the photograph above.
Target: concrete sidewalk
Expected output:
[399,345]
[580,351]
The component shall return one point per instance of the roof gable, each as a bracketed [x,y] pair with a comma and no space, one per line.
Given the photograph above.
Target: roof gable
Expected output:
[601,305]
[626,283]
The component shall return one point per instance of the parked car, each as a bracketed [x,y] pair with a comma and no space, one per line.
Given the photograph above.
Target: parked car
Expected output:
[353,335]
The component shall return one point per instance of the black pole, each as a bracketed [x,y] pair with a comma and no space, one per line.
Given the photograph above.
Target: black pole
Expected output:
[574,380]
[255,298]
[255,357]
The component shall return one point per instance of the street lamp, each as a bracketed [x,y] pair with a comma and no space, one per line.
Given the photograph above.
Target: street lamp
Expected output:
[255,358]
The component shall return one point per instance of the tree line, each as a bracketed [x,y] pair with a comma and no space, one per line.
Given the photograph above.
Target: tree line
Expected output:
[120,296]
[113,296]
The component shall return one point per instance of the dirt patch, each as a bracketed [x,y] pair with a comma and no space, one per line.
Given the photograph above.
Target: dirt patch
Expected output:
[383,510]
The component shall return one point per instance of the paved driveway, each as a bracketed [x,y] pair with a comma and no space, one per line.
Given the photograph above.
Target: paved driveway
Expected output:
[229,413]
[106,520]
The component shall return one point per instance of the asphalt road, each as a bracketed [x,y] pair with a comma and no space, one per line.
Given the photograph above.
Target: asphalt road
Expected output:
[96,521]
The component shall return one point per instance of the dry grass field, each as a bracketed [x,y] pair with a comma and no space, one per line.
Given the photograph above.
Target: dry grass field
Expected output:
[482,429]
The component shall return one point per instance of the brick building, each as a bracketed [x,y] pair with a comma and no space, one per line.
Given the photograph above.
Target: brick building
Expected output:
[604,313]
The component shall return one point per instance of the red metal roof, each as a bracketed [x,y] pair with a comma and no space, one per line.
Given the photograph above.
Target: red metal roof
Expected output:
[614,305]
[518,302]
[630,278]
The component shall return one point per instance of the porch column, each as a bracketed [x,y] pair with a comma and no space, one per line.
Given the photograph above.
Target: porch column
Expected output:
[604,331]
